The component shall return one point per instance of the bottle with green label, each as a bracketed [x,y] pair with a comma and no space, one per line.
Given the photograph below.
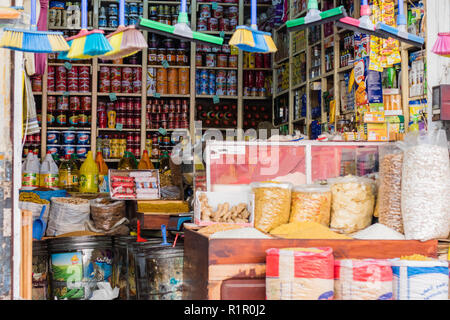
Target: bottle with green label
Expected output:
[69,174]
[30,172]
[89,175]
[48,177]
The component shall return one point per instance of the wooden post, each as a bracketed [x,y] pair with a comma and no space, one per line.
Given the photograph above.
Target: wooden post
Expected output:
[27,254]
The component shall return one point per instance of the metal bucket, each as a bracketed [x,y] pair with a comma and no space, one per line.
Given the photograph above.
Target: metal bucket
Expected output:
[77,264]
[164,266]
[40,289]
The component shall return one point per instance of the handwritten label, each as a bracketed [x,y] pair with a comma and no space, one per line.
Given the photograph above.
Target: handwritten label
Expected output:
[214,5]
[66,93]
[216,99]
[119,126]
[68,65]
[165,64]
[156,95]
[221,34]
[162,131]
[112,96]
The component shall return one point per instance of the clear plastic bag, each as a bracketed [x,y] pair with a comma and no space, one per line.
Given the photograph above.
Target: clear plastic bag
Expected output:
[425,185]
[67,215]
[390,188]
[311,203]
[272,204]
[352,203]
[106,213]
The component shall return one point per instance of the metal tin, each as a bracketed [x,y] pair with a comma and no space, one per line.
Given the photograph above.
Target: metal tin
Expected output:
[68,137]
[83,137]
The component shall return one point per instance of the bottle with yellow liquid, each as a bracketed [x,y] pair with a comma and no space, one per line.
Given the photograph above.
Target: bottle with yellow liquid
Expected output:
[145,163]
[69,174]
[127,162]
[89,175]
[102,173]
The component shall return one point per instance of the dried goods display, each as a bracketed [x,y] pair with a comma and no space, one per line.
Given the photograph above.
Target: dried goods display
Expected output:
[224,213]
[311,203]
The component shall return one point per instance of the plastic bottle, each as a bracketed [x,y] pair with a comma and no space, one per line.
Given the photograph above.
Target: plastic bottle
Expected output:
[48,177]
[69,174]
[89,175]
[127,162]
[30,172]
[414,125]
[145,163]
[102,173]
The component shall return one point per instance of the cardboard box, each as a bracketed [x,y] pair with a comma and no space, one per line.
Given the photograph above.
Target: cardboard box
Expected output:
[376,131]
[135,184]
[216,198]
[374,117]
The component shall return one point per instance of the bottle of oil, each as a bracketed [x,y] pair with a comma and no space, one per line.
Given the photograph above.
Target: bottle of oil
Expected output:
[89,175]
[127,162]
[69,174]
[102,173]
[145,163]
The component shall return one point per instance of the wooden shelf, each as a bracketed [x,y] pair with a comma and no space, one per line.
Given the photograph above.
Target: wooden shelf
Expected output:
[67,28]
[218,32]
[299,52]
[106,94]
[297,86]
[279,62]
[300,14]
[177,129]
[119,65]
[71,93]
[170,66]
[69,128]
[170,96]
[220,97]
[223,4]
[72,63]
[345,69]
[216,68]
[115,130]
[256,98]
[299,120]
[257,69]
[281,93]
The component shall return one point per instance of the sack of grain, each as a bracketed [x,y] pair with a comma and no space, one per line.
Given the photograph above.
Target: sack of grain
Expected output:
[272,204]
[390,189]
[425,186]
[366,279]
[420,280]
[106,213]
[67,215]
[352,203]
[299,274]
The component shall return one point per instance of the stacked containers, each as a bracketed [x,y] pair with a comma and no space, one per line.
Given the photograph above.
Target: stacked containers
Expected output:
[218,19]
[62,144]
[167,81]
[120,79]
[216,82]
[167,113]
[75,79]
[124,111]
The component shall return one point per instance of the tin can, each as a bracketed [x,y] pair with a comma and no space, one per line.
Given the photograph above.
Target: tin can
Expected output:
[202,24]
[83,72]
[53,137]
[267,61]
[133,8]
[62,103]
[68,137]
[218,12]
[161,80]
[74,103]
[81,151]
[102,119]
[86,103]
[72,72]
[198,59]
[231,83]
[51,103]
[133,19]
[60,79]
[83,137]
[50,80]
[232,12]
[84,84]
[205,11]
[152,56]
[172,78]
[102,22]
[137,121]
[113,22]
[183,81]
[72,84]
[104,78]
[51,119]
[222,60]
[233,23]
[151,81]
[224,24]
[54,149]
[213,24]
[210,59]
[161,56]
[137,80]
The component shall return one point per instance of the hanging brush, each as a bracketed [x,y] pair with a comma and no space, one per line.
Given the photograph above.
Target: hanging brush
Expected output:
[315,17]
[180,30]
[250,39]
[361,25]
[400,32]
[86,44]
[126,41]
[32,40]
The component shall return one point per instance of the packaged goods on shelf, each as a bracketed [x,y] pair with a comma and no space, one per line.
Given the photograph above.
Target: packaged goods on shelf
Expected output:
[311,203]
[134,184]
[223,115]
[216,82]
[220,18]
[116,79]
[368,279]
[167,114]
[312,279]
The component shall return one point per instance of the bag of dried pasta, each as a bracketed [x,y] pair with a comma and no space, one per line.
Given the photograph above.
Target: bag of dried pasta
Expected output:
[311,203]
[352,203]
[272,204]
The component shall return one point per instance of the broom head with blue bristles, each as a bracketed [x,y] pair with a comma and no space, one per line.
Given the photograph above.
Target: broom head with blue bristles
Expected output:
[88,44]
[252,40]
[125,42]
[27,40]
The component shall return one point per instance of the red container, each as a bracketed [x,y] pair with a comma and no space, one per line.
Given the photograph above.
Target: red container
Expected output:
[137,138]
[130,139]
[50,79]
[72,72]
[104,86]
[84,84]
[104,73]
[127,74]
[74,103]
[213,24]
[86,103]
[224,24]
[266,60]
[129,121]
[136,151]
[51,103]
[137,105]
[60,73]
[83,72]
[129,105]
[137,121]
[61,84]
[259,60]
[102,119]
[72,84]
[62,103]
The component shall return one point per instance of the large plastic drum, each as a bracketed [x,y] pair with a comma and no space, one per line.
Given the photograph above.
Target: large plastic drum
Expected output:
[77,264]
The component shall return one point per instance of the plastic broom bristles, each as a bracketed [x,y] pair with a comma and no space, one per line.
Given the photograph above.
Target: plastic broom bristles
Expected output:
[11,39]
[88,46]
[270,44]
[58,43]
[125,43]
[242,36]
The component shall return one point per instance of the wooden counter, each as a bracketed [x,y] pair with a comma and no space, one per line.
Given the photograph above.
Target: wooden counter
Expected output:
[235,268]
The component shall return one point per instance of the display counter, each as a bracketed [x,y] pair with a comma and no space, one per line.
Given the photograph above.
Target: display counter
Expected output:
[226,269]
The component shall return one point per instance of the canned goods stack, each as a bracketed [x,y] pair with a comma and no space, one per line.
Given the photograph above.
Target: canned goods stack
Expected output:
[222,115]
[223,57]
[175,52]
[32,144]
[168,81]
[67,15]
[216,82]
[256,84]
[74,111]
[109,14]
[62,144]
[158,144]
[164,13]
[113,146]
[124,111]
[36,83]
[257,60]
[120,79]
[75,79]
[167,114]
[218,19]
[256,113]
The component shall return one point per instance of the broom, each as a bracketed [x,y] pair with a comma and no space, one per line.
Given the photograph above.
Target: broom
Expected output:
[86,44]
[442,45]
[250,39]
[400,32]
[126,41]
[32,40]
[180,30]
[315,17]
[362,25]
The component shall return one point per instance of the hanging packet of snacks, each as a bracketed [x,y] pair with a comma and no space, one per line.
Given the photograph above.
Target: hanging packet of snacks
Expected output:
[367,279]
[425,183]
[390,52]
[375,42]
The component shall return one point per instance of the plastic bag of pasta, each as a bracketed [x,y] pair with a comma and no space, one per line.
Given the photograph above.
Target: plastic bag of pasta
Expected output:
[272,204]
[311,203]
[389,198]
[352,203]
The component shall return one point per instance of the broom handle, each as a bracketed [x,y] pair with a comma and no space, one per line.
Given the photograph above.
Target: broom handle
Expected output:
[83,14]
[122,13]
[33,15]
[401,19]
[365,9]
[253,13]
[312,4]
[183,7]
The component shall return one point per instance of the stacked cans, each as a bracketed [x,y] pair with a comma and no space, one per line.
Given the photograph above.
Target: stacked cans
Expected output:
[109,15]
[32,144]
[120,79]
[113,146]
[218,19]
[163,13]
[74,111]
[255,84]
[207,56]
[62,144]
[212,82]
[36,83]
[167,81]
[222,115]
[257,60]
[167,114]
[124,111]
[254,114]
[75,79]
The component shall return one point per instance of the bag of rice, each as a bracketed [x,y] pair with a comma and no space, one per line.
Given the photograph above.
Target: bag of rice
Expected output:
[420,280]
[366,279]
[299,274]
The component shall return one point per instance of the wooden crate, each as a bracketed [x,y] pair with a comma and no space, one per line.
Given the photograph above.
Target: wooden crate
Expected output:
[209,264]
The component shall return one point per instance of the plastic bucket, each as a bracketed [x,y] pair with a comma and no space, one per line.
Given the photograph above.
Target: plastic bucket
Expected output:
[77,264]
